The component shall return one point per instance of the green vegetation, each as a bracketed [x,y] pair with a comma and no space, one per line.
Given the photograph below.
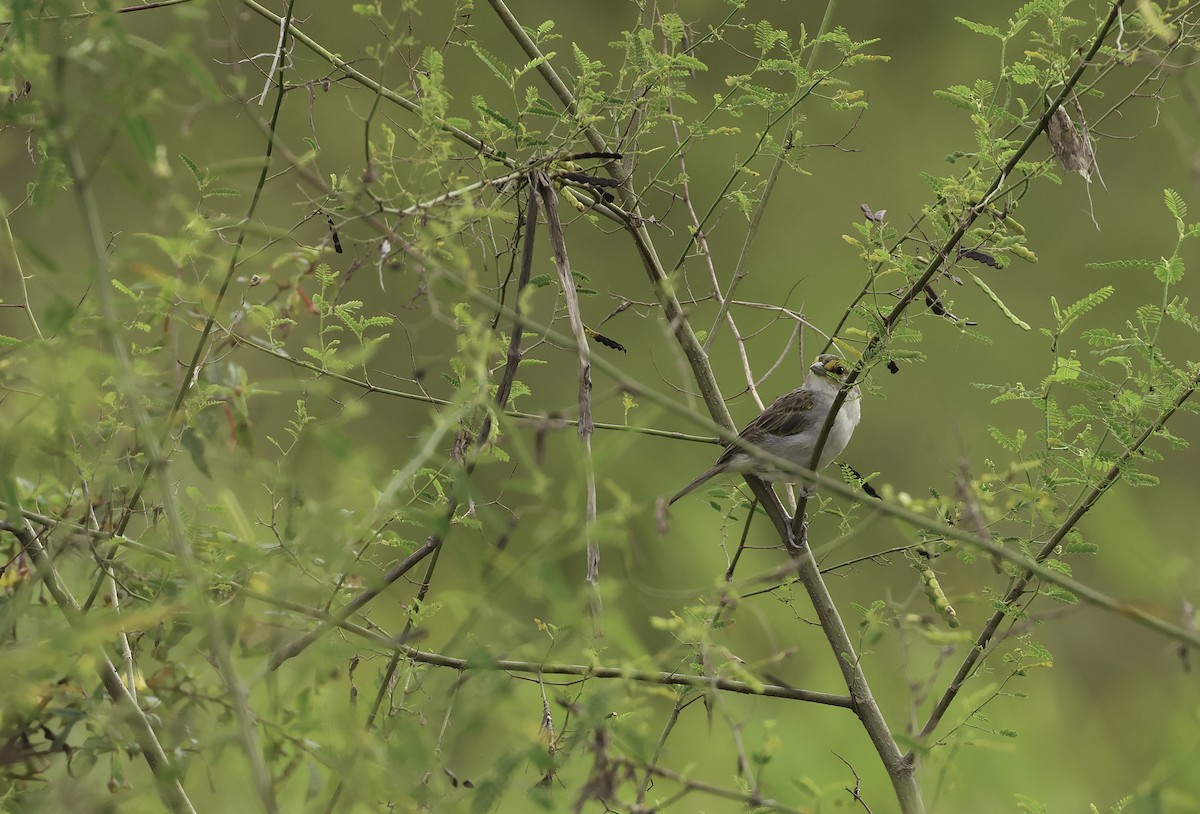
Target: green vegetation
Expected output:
[349,351]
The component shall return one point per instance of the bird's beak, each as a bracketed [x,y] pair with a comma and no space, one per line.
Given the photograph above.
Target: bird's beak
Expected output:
[818,368]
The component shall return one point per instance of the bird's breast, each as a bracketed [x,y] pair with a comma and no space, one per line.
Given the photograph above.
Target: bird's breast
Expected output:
[798,448]
[843,427]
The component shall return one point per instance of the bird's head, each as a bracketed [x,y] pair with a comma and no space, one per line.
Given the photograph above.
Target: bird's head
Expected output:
[831,368]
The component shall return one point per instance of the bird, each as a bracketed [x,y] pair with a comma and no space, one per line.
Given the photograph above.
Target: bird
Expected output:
[790,426]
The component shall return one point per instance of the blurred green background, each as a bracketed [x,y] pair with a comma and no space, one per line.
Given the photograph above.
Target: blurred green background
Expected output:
[1118,712]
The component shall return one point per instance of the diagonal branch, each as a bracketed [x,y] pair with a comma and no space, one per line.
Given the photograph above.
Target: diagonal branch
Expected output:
[166,773]
[557,668]
[899,771]
[833,485]
[635,224]
[984,638]
[153,438]
[358,76]
[951,243]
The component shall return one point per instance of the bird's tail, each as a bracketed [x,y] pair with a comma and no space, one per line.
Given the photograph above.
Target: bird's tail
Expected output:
[701,478]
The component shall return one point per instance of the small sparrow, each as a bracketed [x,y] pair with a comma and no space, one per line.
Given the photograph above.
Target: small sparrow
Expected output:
[790,426]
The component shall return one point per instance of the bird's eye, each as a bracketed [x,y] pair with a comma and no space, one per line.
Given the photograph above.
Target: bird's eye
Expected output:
[839,370]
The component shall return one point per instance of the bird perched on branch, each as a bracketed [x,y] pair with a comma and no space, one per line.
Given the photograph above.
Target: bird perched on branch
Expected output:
[789,428]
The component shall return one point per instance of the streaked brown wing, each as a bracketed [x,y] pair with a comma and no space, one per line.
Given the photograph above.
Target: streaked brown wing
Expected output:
[789,414]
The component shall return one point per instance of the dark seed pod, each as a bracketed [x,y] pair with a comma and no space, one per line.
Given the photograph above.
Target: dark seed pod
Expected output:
[980,257]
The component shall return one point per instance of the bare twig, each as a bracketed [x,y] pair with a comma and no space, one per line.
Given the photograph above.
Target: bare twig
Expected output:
[635,224]
[152,438]
[563,264]
[552,422]
[752,802]
[825,483]
[366,81]
[934,265]
[1018,587]
[166,773]
[701,239]
[584,671]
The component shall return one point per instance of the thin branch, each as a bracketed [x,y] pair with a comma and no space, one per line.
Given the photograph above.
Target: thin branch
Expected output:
[644,676]
[21,275]
[567,280]
[701,239]
[668,727]
[95,534]
[367,82]
[82,15]
[166,773]
[149,436]
[542,420]
[296,647]
[826,484]
[556,668]
[1049,547]
[752,802]
[635,224]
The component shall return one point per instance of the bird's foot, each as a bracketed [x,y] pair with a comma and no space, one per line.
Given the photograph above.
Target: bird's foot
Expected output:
[805,492]
[796,541]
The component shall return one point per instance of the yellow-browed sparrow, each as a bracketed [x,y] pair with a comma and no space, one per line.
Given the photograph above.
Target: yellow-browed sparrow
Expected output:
[789,428]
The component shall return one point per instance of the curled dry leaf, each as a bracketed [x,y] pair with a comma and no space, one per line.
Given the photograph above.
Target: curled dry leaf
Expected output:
[661,516]
[1072,148]
[874,217]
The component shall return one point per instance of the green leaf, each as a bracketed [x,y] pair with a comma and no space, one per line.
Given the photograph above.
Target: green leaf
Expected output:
[1175,204]
[1177,310]
[957,100]
[1060,595]
[766,36]
[124,289]
[690,62]
[1102,338]
[502,71]
[1169,270]
[1121,265]
[533,63]
[1066,370]
[980,28]
[1059,566]
[672,28]
[1003,440]
[1140,479]
[482,107]
[540,107]
[1081,307]
[1023,73]
[191,165]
